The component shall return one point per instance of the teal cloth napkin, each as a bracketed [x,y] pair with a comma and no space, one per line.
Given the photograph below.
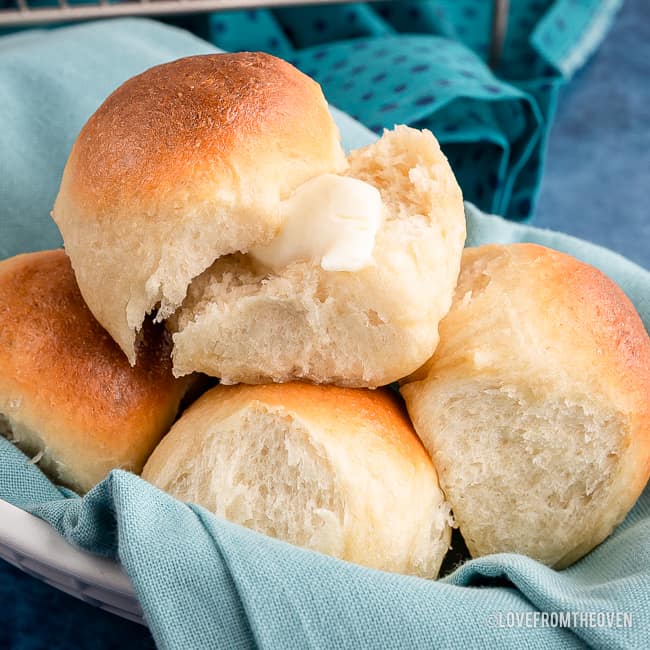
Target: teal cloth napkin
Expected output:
[205,583]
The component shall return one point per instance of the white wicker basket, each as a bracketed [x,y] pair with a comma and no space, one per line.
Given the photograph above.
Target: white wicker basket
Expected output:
[35,547]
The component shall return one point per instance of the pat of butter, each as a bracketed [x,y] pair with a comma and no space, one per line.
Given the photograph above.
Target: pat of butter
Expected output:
[329,220]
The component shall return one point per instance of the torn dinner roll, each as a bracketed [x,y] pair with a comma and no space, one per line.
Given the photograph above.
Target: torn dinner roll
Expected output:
[335,470]
[536,405]
[181,165]
[213,192]
[246,320]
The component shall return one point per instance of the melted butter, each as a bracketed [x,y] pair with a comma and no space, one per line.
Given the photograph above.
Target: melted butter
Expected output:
[330,220]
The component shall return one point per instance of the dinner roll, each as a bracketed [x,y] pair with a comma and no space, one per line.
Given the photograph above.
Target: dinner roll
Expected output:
[68,395]
[536,405]
[182,164]
[336,470]
[245,322]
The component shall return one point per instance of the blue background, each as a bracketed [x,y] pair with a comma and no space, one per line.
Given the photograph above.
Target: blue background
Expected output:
[597,180]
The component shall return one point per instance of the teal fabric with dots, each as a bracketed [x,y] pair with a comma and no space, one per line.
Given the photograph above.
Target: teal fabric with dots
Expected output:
[423,62]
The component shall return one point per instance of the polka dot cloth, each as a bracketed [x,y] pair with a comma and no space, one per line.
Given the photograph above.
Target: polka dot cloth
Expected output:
[423,62]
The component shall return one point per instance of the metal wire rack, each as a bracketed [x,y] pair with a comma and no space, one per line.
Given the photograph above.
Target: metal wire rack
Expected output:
[23,13]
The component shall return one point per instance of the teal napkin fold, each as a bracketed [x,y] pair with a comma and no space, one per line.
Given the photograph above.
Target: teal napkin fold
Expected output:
[205,583]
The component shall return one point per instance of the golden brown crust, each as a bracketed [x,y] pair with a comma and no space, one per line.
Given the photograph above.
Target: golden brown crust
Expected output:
[194,120]
[63,376]
[583,308]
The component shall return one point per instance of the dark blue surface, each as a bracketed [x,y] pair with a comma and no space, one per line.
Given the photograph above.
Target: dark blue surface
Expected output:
[34,616]
[596,187]
[597,180]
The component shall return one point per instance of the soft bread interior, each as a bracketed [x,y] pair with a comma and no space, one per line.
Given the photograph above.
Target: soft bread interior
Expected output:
[524,474]
[278,482]
[243,322]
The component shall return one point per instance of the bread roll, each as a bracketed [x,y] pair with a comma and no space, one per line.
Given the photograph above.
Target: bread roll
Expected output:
[182,164]
[244,322]
[67,393]
[336,470]
[179,183]
[536,404]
